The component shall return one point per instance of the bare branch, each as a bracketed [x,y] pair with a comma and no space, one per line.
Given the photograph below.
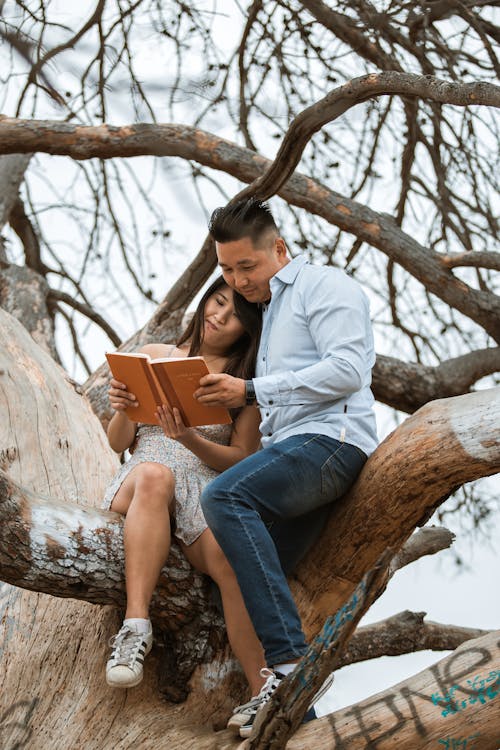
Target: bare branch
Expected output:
[377,229]
[426,541]
[36,67]
[408,385]
[404,633]
[88,312]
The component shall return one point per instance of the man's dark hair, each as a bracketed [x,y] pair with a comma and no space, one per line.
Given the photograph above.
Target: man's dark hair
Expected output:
[246,218]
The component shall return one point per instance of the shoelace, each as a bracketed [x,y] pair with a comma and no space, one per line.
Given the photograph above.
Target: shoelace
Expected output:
[266,691]
[125,645]
[256,701]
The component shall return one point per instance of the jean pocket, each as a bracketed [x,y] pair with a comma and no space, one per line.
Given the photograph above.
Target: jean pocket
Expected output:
[340,471]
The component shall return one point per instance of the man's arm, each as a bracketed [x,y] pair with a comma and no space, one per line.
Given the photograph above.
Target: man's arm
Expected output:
[339,324]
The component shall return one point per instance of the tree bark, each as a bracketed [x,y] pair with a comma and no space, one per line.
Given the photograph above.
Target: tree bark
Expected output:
[453,701]
[12,169]
[52,444]
[439,448]
[23,291]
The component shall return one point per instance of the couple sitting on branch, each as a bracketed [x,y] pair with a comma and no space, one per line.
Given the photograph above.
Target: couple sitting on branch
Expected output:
[290,351]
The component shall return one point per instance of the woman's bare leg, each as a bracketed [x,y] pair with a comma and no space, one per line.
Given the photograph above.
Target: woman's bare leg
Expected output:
[145,498]
[207,557]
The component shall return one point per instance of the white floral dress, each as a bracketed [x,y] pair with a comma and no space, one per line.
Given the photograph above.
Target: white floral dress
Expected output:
[191,474]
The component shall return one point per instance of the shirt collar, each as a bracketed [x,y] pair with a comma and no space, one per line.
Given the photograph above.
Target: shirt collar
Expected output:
[290,271]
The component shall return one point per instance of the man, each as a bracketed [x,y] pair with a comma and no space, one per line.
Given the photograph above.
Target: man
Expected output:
[312,386]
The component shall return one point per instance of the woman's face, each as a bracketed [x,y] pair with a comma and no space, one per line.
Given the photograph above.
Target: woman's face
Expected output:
[221,327]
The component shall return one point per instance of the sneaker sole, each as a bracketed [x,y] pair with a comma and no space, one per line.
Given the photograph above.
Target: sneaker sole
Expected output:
[236,721]
[135,682]
[245,731]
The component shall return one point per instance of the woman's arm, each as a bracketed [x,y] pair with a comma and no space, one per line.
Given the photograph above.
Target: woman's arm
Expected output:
[245,438]
[121,430]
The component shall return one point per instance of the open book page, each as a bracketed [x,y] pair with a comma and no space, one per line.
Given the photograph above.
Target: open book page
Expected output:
[168,381]
[179,379]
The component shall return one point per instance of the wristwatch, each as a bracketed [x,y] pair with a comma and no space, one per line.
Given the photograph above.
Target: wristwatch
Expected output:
[250,397]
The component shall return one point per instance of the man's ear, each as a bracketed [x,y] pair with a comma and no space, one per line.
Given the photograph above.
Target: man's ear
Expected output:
[280,247]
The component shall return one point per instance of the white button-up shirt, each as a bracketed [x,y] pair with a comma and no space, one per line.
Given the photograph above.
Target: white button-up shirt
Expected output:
[315,357]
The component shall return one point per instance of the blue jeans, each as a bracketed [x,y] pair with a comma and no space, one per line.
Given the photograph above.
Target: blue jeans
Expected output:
[265,513]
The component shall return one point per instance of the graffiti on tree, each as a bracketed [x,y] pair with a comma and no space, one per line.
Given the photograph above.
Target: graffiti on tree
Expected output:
[459,743]
[450,683]
[481,692]
[16,721]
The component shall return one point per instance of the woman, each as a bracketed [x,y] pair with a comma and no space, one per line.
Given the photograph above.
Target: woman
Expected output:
[164,478]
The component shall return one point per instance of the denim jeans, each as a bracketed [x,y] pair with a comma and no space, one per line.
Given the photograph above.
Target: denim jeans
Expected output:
[265,513]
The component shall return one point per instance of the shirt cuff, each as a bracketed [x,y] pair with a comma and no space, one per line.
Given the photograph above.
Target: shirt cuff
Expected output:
[267,390]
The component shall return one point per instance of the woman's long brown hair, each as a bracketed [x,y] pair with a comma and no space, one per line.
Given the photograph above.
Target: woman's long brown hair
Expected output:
[242,355]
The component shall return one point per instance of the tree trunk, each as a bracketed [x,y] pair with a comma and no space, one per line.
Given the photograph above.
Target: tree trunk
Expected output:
[23,291]
[54,651]
[53,445]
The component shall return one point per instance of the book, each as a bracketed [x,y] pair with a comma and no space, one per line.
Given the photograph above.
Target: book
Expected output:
[165,381]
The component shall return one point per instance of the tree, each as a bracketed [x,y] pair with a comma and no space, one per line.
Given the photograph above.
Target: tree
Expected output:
[421,77]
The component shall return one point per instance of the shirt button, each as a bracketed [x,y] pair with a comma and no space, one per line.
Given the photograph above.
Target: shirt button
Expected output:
[271,403]
[263,359]
[267,413]
[269,434]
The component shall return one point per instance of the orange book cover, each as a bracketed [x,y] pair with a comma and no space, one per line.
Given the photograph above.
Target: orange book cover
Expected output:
[179,379]
[167,381]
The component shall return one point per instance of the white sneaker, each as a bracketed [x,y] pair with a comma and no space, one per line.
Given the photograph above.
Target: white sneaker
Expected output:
[124,668]
[241,713]
[244,716]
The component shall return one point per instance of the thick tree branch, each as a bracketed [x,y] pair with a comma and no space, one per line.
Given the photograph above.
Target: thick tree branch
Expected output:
[457,698]
[76,551]
[24,293]
[379,230]
[12,170]
[439,448]
[288,705]
[408,385]
[404,633]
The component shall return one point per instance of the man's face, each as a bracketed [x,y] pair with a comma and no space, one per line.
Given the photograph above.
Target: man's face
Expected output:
[248,268]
